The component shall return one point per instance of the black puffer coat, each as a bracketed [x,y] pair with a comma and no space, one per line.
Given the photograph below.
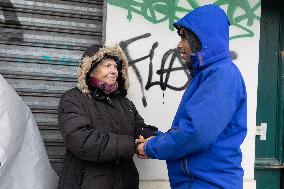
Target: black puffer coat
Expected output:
[99,132]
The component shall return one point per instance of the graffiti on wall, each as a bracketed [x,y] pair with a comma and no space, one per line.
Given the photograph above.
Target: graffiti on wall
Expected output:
[166,11]
[165,72]
[172,55]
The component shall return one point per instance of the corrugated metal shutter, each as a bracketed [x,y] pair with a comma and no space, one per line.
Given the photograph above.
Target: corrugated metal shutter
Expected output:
[41,42]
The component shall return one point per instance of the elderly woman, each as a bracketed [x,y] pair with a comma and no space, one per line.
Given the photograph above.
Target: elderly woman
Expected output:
[99,125]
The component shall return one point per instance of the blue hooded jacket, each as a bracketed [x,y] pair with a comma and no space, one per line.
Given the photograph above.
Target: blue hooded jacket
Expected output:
[202,148]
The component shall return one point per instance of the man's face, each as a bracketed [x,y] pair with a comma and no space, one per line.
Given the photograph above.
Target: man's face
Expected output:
[184,46]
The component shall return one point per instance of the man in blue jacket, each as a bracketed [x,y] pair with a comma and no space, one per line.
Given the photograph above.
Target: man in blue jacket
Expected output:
[202,148]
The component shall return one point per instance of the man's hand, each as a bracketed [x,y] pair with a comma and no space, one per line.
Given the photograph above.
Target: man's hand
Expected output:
[140,151]
[140,148]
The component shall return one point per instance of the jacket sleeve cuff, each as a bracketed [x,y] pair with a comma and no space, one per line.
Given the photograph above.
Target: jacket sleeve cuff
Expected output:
[148,149]
[159,133]
[125,147]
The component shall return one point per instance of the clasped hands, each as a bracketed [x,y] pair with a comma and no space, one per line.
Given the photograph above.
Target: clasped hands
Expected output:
[141,141]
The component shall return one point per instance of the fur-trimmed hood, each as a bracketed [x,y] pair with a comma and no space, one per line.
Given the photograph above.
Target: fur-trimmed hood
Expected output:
[87,62]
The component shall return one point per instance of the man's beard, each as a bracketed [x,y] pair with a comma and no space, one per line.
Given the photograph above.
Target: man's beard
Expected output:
[189,65]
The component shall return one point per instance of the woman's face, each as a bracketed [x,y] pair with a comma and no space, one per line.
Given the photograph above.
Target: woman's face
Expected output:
[106,71]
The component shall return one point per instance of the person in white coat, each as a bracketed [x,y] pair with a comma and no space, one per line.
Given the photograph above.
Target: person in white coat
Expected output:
[24,163]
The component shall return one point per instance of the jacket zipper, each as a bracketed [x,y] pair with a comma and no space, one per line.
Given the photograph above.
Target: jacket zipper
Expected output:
[117,171]
[82,175]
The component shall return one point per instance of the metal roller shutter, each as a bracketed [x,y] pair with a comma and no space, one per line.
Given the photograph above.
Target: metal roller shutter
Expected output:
[40,47]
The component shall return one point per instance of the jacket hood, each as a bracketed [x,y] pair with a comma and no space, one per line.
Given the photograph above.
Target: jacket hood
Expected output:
[88,61]
[211,25]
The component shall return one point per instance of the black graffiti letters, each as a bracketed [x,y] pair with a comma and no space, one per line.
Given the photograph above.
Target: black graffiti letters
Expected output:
[170,56]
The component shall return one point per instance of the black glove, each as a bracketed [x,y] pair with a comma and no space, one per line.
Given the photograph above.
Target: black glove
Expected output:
[147,131]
